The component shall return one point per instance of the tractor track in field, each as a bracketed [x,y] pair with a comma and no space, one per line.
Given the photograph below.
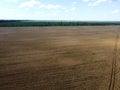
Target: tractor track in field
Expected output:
[113,71]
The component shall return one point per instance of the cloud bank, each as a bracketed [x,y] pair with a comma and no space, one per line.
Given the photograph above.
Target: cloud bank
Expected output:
[97,2]
[34,3]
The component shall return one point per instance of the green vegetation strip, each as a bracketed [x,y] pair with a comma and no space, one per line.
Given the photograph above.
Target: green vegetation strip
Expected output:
[15,23]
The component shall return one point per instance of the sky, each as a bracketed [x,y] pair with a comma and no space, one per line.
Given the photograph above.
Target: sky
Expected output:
[80,10]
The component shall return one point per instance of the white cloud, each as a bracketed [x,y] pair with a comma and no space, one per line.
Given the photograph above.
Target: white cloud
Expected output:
[86,0]
[73,8]
[30,3]
[14,1]
[74,2]
[6,10]
[96,2]
[35,3]
[115,11]
[49,6]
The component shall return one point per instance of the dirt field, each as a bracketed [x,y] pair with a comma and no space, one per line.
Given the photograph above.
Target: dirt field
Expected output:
[59,58]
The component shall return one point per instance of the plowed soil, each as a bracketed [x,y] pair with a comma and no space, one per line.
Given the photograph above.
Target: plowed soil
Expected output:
[58,58]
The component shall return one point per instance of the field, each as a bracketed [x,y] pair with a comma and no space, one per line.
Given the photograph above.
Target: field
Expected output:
[59,58]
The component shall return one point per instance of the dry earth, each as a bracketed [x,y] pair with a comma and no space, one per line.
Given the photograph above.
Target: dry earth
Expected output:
[58,58]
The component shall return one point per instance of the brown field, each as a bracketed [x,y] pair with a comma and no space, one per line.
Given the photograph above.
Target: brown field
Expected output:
[58,58]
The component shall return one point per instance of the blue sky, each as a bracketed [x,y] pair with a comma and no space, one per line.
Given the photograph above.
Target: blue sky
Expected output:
[84,10]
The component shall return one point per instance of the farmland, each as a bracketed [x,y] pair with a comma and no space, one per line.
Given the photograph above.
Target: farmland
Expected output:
[59,58]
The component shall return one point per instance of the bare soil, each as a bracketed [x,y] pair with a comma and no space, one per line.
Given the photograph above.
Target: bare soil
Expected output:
[58,58]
